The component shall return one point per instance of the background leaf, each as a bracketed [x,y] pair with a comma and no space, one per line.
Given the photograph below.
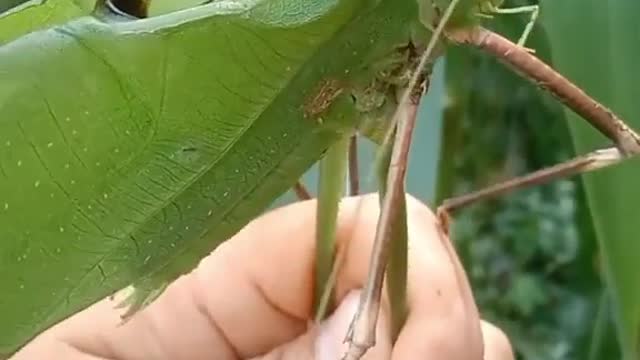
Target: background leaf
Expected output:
[530,254]
[22,17]
[595,43]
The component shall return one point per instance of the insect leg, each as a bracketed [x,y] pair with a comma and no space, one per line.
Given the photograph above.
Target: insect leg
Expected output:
[581,164]
[301,191]
[398,239]
[547,78]
[354,172]
[533,10]
[361,334]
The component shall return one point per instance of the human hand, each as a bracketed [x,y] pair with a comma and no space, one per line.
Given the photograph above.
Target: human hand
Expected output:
[252,299]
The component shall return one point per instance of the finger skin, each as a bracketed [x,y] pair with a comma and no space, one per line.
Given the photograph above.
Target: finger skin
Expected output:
[440,319]
[497,344]
[254,294]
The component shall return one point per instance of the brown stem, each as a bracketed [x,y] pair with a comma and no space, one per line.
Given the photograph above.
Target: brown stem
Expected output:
[589,162]
[354,175]
[301,191]
[528,65]
[362,332]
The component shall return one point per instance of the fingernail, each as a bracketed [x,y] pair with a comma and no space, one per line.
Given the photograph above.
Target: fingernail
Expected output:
[329,343]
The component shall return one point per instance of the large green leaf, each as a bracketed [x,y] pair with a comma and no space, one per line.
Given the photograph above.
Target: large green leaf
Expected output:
[595,43]
[8,4]
[37,14]
[131,149]
[157,7]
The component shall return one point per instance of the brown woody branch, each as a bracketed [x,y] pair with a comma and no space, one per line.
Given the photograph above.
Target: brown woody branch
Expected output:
[528,65]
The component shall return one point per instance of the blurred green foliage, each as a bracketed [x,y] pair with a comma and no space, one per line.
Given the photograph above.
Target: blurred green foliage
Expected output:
[8,4]
[531,255]
[603,57]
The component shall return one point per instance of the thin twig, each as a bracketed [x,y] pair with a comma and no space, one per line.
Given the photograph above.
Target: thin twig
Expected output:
[592,161]
[362,333]
[354,173]
[396,274]
[301,191]
[534,69]
[404,101]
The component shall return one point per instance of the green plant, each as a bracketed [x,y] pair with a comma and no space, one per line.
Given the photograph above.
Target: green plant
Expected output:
[137,178]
